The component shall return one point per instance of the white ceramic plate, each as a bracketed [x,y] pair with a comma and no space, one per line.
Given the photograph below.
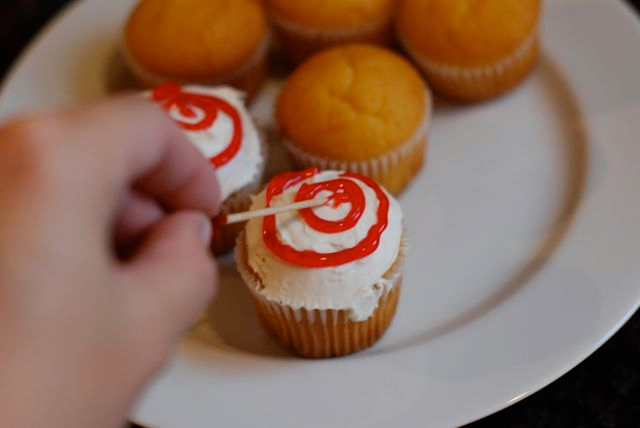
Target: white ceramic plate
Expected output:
[524,224]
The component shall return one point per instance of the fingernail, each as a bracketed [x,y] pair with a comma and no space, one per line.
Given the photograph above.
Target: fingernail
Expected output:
[206,232]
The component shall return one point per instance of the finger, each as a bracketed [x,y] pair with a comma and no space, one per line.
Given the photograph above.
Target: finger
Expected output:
[137,213]
[172,276]
[130,140]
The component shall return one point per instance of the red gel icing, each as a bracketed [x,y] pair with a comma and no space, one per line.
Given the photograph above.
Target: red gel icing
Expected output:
[343,191]
[170,96]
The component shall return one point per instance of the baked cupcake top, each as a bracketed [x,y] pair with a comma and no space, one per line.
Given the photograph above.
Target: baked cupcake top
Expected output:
[466,32]
[331,257]
[195,39]
[352,102]
[332,13]
[217,123]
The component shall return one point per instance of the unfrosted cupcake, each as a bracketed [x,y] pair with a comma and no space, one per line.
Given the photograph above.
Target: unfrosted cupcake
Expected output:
[308,26]
[357,108]
[217,123]
[326,280]
[209,42]
[471,50]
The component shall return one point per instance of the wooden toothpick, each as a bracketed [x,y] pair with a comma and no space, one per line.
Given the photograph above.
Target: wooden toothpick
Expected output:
[224,219]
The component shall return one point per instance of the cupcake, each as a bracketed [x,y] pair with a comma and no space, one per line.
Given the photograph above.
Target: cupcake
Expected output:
[326,280]
[471,50]
[210,42]
[357,108]
[217,123]
[305,27]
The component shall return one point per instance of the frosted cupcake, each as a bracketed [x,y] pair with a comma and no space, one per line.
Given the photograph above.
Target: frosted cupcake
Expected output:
[209,42]
[217,123]
[471,51]
[306,27]
[326,280]
[357,108]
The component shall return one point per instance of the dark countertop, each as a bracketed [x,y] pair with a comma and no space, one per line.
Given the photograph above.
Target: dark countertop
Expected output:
[603,391]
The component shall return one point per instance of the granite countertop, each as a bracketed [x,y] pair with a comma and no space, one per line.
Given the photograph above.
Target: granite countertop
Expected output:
[603,391]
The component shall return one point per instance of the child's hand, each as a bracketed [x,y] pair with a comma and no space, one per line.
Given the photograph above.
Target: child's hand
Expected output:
[82,330]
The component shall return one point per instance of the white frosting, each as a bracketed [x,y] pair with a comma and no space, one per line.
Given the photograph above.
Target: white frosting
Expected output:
[355,286]
[243,168]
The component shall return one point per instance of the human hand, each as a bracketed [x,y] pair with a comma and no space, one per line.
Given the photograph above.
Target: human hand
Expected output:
[81,328]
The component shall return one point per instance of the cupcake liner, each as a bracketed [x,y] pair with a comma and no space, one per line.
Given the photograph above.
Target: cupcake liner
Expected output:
[322,333]
[300,41]
[478,83]
[224,237]
[246,78]
[393,170]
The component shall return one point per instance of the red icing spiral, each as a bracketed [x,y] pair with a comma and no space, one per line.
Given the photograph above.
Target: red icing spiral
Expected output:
[171,96]
[344,190]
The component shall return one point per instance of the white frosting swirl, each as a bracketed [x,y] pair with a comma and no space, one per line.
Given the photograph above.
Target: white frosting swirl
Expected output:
[243,168]
[355,286]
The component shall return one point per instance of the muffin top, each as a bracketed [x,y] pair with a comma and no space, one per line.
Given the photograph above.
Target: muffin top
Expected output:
[332,13]
[336,256]
[466,32]
[195,39]
[215,120]
[351,103]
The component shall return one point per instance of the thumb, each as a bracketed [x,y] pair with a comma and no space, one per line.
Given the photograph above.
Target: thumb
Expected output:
[172,276]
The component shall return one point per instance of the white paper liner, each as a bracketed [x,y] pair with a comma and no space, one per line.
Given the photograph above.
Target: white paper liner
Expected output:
[152,79]
[375,168]
[320,333]
[329,34]
[472,75]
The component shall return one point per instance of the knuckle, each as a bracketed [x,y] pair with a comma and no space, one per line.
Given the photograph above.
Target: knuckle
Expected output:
[33,131]
[32,145]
